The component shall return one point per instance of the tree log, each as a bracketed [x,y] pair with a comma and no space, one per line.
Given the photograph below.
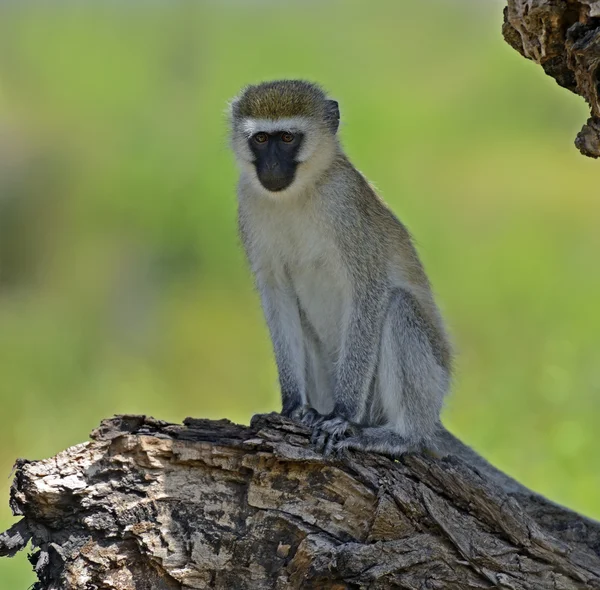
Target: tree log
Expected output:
[563,36]
[210,504]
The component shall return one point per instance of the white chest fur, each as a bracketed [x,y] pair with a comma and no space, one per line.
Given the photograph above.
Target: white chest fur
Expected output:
[296,246]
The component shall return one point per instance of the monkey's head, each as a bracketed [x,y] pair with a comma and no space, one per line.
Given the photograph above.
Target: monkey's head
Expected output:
[284,133]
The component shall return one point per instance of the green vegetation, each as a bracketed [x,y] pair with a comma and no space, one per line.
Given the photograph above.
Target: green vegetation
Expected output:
[122,286]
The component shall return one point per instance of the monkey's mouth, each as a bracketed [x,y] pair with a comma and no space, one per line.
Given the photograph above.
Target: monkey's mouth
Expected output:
[276,182]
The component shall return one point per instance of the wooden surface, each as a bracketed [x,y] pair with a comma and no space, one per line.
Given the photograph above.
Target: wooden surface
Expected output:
[209,504]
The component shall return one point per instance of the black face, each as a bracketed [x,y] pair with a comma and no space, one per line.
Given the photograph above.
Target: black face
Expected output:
[275,158]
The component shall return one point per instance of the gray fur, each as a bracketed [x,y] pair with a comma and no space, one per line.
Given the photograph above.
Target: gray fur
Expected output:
[361,349]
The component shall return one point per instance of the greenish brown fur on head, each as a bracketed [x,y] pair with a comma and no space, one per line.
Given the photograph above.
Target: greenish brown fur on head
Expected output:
[280,99]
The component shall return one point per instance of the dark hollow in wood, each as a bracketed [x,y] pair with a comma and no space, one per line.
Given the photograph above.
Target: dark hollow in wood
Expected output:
[563,36]
[210,504]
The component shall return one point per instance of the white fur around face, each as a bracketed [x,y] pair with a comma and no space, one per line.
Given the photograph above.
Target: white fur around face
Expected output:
[316,153]
[291,124]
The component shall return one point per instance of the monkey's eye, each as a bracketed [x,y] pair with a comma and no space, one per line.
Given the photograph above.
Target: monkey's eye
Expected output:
[261,137]
[287,137]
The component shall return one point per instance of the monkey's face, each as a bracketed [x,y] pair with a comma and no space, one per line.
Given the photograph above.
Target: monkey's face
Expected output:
[282,158]
[284,136]
[275,157]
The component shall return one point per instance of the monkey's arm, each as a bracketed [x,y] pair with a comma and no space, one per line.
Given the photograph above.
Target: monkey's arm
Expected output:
[280,306]
[411,383]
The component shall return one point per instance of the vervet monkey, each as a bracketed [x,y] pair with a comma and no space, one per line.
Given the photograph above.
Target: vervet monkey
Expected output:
[361,350]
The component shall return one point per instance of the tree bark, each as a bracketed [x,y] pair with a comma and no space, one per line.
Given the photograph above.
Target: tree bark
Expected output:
[563,36]
[210,504]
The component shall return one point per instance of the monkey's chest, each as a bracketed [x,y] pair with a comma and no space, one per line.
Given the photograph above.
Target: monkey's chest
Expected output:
[304,252]
[321,298]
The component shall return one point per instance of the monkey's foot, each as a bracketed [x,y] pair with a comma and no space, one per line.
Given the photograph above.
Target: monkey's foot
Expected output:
[378,440]
[328,433]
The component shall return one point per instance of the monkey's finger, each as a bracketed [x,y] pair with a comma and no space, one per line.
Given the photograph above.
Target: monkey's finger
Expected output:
[321,442]
[352,443]
[316,433]
[331,446]
[322,428]
[331,425]
[341,452]
[338,428]
[311,417]
[319,419]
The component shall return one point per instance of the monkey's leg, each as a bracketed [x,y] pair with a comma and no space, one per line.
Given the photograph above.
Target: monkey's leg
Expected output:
[356,362]
[410,384]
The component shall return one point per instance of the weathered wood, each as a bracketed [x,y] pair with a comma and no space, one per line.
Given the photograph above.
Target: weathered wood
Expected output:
[148,504]
[563,36]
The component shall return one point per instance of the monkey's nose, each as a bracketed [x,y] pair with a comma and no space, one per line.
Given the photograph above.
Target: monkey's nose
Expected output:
[272,165]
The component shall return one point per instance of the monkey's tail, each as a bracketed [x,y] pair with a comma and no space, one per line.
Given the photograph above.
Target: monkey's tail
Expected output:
[451,445]
[536,505]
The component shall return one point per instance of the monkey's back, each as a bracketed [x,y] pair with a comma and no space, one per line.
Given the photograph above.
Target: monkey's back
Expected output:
[372,238]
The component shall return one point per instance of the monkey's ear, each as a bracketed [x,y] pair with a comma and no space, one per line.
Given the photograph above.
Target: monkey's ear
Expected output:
[332,113]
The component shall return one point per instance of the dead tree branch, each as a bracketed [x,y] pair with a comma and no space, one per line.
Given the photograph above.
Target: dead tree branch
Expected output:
[563,36]
[148,504]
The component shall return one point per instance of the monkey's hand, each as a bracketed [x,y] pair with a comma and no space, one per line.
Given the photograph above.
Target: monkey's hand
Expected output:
[303,414]
[329,432]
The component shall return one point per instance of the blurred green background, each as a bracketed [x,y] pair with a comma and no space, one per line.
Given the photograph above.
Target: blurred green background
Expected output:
[122,284]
